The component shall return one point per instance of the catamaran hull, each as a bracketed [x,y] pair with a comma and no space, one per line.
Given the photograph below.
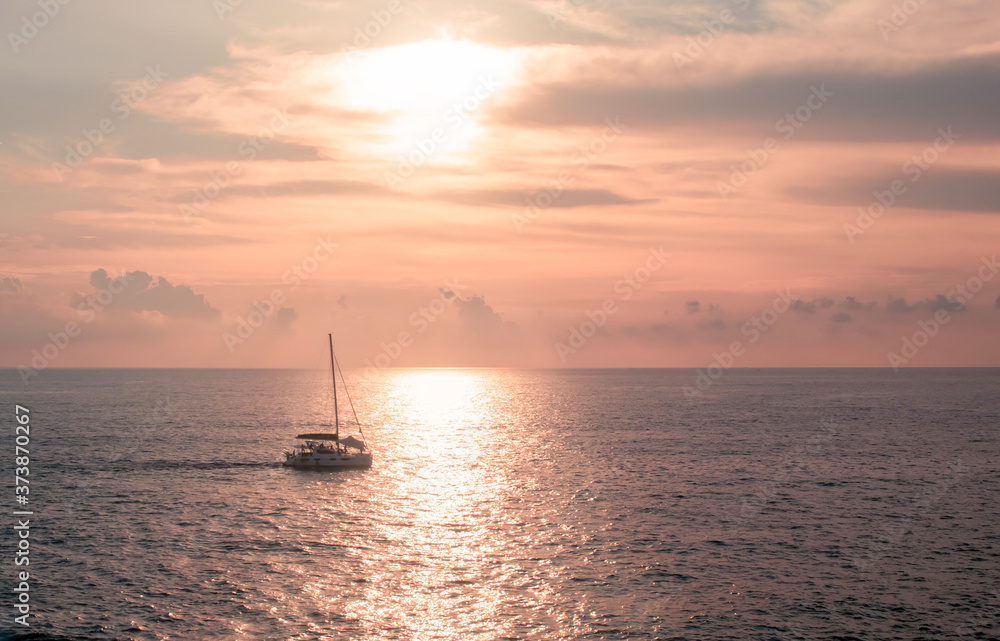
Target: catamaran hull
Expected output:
[326,461]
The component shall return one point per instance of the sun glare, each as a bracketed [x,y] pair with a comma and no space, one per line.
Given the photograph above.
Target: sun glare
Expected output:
[442,392]
[439,86]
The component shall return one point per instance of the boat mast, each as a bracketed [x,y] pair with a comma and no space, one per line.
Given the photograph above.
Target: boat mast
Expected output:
[336,414]
[348,392]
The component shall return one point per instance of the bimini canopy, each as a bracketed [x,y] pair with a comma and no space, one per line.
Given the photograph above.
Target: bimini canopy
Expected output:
[350,441]
[318,437]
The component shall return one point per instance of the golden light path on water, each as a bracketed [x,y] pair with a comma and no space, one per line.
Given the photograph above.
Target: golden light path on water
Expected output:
[449,473]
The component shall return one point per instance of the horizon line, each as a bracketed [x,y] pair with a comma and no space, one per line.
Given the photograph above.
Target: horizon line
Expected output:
[832,367]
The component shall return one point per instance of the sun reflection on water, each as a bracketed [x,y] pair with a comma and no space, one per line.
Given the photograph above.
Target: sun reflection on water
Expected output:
[447,487]
[452,532]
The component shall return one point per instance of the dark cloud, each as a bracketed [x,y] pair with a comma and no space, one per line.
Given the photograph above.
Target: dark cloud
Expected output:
[657,333]
[865,106]
[809,307]
[479,322]
[691,17]
[853,304]
[105,238]
[306,188]
[567,199]
[935,188]
[815,8]
[998,302]
[945,303]
[900,306]
[802,306]
[11,285]
[715,323]
[342,302]
[842,317]
[692,306]
[141,292]
[283,320]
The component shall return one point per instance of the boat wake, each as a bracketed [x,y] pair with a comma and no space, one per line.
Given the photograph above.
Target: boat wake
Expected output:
[130,465]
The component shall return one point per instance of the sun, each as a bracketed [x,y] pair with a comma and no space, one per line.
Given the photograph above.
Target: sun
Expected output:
[440,86]
[421,75]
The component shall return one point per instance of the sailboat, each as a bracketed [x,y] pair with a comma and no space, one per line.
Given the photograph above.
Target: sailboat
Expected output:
[325,450]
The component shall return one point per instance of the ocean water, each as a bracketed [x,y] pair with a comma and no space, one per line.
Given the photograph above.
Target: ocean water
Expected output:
[504,504]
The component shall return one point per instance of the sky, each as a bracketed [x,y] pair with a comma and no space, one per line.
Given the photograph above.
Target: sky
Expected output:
[710,184]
